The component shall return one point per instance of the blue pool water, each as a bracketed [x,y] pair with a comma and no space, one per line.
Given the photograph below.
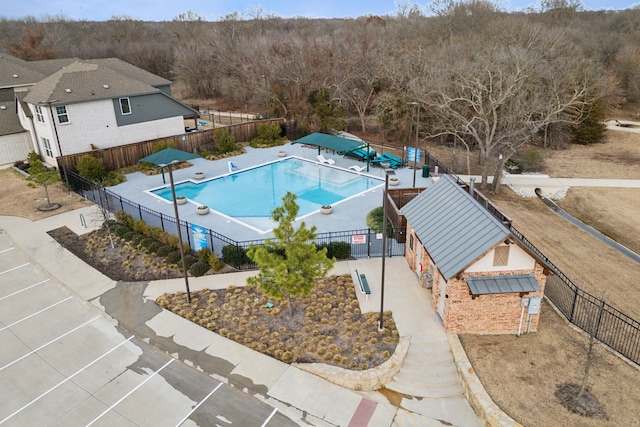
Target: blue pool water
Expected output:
[256,192]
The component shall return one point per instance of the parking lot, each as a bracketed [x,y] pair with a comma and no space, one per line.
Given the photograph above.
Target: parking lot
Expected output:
[64,362]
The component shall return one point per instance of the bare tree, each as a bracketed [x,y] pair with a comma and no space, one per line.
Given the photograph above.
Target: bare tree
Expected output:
[497,98]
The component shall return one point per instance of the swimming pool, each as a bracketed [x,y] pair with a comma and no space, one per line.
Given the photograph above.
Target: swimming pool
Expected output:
[255,192]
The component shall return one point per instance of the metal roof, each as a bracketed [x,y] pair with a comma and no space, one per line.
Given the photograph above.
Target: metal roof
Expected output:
[336,143]
[454,229]
[513,283]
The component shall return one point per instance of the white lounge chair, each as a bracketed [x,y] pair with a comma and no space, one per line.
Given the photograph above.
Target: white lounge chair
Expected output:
[232,167]
[322,159]
[357,168]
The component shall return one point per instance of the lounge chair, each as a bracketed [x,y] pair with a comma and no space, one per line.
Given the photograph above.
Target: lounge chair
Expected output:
[357,168]
[232,167]
[322,159]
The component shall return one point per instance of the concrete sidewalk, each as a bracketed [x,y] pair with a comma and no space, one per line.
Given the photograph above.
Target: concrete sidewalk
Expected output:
[304,397]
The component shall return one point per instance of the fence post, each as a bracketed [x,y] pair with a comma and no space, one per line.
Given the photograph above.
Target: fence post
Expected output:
[573,304]
[368,243]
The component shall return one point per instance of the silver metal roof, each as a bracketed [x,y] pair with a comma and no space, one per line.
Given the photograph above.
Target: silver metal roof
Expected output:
[454,229]
[513,283]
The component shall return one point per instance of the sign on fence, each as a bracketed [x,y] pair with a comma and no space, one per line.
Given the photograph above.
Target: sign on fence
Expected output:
[199,237]
[358,239]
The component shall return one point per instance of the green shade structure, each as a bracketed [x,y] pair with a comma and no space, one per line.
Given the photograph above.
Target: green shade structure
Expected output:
[166,159]
[168,156]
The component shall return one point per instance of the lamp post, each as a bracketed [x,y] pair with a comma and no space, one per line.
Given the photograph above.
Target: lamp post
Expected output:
[55,132]
[266,95]
[415,152]
[388,173]
[175,210]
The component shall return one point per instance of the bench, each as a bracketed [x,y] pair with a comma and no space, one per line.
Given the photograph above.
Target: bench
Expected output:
[364,285]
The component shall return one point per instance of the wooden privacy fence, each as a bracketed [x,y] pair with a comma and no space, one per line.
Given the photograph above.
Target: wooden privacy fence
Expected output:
[128,155]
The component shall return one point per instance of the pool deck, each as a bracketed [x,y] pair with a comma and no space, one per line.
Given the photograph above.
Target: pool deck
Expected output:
[349,214]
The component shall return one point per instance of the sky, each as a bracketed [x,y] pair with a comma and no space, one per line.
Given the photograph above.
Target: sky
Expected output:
[212,10]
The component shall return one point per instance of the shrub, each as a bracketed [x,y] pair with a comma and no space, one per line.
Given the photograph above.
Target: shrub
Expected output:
[235,255]
[339,250]
[268,136]
[146,243]
[113,178]
[120,230]
[225,141]
[199,268]
[189,259]
[215,262]
[174,257]
[91,168]
[375,220]
[163,251]
[530,160]
[204,254]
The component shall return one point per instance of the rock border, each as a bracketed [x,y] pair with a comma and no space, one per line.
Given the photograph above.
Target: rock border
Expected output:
[368,380]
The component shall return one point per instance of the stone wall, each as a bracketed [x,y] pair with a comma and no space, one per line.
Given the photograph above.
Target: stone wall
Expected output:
[368,380]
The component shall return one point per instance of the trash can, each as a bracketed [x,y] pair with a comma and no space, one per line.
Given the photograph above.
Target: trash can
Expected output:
[425,171]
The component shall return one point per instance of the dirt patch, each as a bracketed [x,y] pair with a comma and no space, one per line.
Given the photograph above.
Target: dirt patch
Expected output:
[522,375]
[18,199]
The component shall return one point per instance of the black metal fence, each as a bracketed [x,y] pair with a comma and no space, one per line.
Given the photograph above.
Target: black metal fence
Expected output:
[591,314]
[363,243]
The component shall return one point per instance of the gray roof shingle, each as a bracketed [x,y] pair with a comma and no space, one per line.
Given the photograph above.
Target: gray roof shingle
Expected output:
[513,283]
[85,81]
[454,229]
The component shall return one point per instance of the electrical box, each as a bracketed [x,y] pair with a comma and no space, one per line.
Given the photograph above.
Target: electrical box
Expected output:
[524,302]
[534,305]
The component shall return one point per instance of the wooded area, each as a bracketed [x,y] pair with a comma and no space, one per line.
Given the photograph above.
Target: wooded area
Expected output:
[469,74]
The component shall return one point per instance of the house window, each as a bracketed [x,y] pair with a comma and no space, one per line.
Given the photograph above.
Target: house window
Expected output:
[47,147]
[501,256]
[39,114]
[63,117]
[125,107]
[411,241]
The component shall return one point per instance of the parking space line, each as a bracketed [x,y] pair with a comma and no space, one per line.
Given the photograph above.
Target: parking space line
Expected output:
[65,380]
[269,417]
[50,342]
[131,392]
[34,314]
[14,268]
[6,250]
[195,408]
[25,289]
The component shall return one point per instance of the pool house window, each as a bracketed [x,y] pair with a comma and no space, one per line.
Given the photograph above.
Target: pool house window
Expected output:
[125,106]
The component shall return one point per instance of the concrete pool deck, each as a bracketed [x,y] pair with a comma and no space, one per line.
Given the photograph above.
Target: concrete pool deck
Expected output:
[349,214]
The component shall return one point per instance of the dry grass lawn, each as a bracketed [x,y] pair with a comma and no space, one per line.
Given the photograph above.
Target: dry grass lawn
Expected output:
[18,199]
[522,374]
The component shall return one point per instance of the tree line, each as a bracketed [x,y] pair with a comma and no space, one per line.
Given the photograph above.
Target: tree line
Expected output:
[468,73]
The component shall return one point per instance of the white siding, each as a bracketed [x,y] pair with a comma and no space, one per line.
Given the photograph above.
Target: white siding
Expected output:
[14,147]
[519,259]
[95,123]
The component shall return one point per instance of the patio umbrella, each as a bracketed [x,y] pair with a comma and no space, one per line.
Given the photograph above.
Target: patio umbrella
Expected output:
[165,159]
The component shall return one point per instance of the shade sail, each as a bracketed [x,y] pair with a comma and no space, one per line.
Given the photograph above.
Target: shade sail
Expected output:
[168,156]
[336,143]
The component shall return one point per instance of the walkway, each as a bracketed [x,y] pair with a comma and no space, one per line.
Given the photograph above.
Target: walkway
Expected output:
[129,307]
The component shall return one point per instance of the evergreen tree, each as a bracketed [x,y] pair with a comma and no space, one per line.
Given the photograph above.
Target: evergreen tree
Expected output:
[290,264]
[591,130]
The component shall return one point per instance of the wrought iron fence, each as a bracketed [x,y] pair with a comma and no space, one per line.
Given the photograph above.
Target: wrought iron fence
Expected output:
[363,243]
[590,313]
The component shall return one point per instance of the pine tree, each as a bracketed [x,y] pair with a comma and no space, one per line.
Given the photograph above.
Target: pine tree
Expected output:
[290,264]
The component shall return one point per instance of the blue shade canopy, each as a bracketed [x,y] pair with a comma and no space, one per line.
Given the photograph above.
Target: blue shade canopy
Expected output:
[168,156]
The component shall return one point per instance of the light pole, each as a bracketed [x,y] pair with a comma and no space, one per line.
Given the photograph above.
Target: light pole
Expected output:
[175,210]
[266,95]
[415,152]
[388,173]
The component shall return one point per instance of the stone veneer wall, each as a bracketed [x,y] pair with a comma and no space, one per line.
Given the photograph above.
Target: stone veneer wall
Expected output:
[368,380]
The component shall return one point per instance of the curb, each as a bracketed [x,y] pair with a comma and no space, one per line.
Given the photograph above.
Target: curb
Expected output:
[368,380]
